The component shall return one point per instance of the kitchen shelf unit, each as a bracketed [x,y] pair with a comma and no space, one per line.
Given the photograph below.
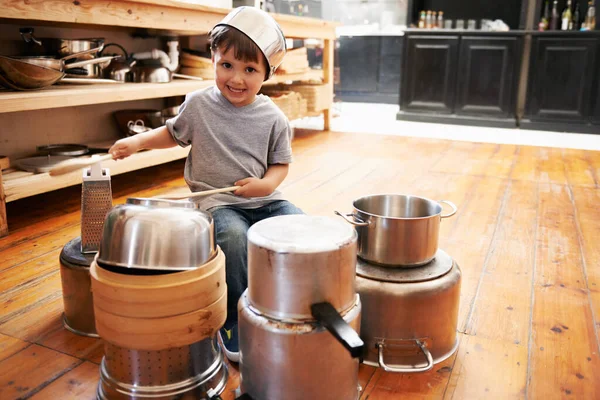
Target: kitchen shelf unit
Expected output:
[158,16]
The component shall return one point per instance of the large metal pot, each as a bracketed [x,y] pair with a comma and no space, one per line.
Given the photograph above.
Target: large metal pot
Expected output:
[397,230]
[295,261]
[152,234]
[294,361]
[410,315]
[301,278]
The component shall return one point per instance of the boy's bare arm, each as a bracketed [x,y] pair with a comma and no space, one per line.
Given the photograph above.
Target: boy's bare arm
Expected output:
[158,138]
[255,187]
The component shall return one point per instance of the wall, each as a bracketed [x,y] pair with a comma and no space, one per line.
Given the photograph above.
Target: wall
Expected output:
[507,10]
[366,12]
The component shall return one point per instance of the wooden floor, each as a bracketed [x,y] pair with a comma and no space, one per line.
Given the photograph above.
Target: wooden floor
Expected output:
[527,237]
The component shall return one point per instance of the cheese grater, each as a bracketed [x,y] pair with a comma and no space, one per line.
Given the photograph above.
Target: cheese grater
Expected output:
[96,201]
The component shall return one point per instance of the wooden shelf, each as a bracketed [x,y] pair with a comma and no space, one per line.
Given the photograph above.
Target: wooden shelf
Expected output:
[58,96]
[68,95]
[19,184]
[160,17]
[165,15]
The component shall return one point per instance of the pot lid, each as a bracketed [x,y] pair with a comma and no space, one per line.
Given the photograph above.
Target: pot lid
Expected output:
[439,266]
[71,254]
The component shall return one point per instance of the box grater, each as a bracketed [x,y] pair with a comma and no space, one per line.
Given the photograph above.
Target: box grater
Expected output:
[96,201]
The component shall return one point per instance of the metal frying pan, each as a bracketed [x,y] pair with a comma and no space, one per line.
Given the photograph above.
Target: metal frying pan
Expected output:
[30,73]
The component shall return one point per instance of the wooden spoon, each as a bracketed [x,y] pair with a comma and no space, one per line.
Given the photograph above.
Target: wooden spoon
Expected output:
[197,194]
[77,163]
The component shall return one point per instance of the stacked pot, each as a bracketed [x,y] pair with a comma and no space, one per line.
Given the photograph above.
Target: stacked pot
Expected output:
[299,317]
[410,289]
[159,293]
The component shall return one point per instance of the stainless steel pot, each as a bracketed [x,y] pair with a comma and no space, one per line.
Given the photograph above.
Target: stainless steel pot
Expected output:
[78,316]
[29,73]
[397,230]
[295,361]
[410,315]
[295,261]
[151,234]
[301,277]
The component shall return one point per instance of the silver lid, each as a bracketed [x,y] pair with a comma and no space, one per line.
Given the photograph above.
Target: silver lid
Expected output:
[262,29]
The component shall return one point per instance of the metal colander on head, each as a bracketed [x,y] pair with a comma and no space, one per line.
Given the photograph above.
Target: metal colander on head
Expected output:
[96,201]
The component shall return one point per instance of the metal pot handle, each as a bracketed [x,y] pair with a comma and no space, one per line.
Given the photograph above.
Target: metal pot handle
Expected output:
[352,221]
[389,368]
[328,316]
[451,204]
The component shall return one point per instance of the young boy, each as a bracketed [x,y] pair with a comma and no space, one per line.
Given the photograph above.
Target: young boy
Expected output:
[237,137]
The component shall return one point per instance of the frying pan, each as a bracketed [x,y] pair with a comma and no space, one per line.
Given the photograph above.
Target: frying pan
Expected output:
[29,73]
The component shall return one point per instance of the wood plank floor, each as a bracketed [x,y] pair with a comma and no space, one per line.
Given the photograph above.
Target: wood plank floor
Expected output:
[526,237]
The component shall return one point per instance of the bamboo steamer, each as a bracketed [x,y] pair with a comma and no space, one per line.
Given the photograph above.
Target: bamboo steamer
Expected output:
[152,334]
[161,311]
[159,295]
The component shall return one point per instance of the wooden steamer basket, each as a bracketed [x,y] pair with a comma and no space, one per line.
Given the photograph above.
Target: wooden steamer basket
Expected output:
[160,331]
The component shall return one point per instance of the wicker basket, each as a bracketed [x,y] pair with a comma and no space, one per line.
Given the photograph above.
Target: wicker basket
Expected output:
[292,104]
[319,97]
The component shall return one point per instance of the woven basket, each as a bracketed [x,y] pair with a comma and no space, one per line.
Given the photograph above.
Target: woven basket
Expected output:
[319,97]
[292,104]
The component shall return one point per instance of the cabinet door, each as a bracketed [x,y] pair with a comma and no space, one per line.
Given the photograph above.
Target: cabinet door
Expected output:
[487,71]
[561,76]
[429,74]
[358,61]
[596,115]
[389,67]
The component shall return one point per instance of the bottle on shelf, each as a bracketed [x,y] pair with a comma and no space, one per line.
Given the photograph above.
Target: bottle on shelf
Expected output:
[422,20]
[590,19]
[440,20]
[576,17]
[545,20]
[428,20]
[554,17]
[566,18]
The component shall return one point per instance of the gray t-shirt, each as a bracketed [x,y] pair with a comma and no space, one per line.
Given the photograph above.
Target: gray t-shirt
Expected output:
[230,143]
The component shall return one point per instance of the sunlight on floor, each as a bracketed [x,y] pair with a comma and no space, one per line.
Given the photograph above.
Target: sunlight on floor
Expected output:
[381,119]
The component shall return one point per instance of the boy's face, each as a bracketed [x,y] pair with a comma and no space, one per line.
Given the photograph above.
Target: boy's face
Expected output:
[238,80]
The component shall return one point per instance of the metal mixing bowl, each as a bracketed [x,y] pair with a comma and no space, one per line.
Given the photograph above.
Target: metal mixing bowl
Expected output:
[157,234]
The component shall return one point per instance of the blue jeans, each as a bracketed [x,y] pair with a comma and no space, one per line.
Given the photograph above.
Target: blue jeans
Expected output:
[231,228]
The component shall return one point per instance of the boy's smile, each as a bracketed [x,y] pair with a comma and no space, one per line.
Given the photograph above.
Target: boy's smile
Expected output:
[238,80]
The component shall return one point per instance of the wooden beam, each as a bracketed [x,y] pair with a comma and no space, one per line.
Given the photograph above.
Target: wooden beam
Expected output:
[328,64]
[3,219]
[165,15]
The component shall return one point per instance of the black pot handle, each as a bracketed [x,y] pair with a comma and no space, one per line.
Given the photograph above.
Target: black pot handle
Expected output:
[328,316]
[244,396]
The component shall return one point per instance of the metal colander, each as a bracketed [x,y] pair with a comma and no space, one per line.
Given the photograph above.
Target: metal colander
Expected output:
[196,371]
[96,201]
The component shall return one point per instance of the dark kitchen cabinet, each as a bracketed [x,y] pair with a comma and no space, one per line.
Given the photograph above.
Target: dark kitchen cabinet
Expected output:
[596,114]
[369,68]
[562,72]
[390,56]
[487,76]
[429,74]
[358,56]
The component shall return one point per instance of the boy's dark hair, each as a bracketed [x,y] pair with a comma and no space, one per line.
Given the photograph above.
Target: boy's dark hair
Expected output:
[224,37]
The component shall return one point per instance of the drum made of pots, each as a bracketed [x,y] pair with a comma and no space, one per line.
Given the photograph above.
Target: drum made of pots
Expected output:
[397,230]
[410,316]
[295,261]
[295,361]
